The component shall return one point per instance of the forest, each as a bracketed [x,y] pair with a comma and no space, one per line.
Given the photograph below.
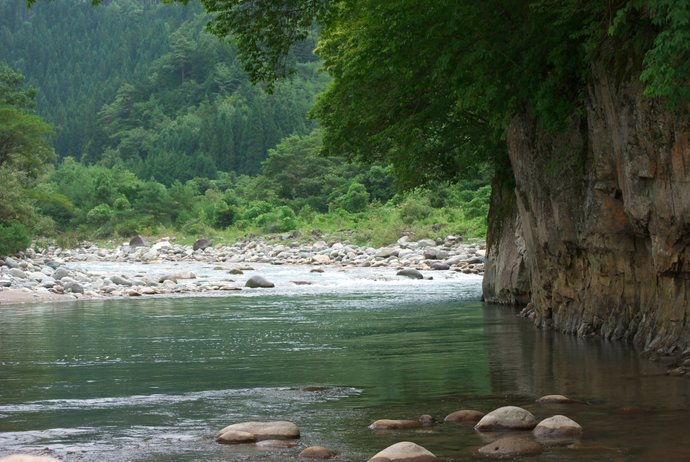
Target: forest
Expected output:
[131,118]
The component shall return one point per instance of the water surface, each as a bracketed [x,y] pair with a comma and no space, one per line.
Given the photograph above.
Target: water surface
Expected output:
[153,379]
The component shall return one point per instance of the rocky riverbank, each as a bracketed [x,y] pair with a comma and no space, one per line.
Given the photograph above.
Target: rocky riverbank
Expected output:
[56,274]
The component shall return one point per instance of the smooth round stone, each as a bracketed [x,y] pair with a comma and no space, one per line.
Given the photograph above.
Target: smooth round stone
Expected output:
[274,430]
[27,458]
[390,424]
[258,282]
[275,444]
[405,451]
[558,426]
[317,452]
[506,418]
[410,273]
[464,416]
[235,437]
[511,446]
[554,399]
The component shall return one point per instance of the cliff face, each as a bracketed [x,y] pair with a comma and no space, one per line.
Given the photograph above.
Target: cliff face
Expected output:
[597,232]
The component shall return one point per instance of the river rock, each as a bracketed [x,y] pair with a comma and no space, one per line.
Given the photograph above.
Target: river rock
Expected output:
[202,244]
[176,276]
[60,273]
[74,287]
[410,273]
[438,266]
[321,259]
[391,424]
[258,282]
[386,252]
[511,446]
[27,458]
[120,281]
[464,416]
[317,452]
[138,241]
[17,273]
[235,437]
[405,451]
[11,262]
[275,444]
[554,399]
[558,426]
[5,283]
[275,430]
[427,420]
[235,271]
[506,418]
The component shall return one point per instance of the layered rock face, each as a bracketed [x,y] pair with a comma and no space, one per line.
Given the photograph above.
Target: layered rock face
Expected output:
[596,234]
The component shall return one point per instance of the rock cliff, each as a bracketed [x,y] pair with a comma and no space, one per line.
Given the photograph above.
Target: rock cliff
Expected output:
[595,233]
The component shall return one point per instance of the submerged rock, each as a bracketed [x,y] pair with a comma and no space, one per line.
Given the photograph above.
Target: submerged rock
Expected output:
[275,444]
[249,432]
[558,426]
[511,446]
[404,451]
[258,282]
[410,273]
[506,418]
[464,416]
[554,399]
[317,452]
[391,424]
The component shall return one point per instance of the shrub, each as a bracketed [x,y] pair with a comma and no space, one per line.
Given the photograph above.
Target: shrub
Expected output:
[355,199]
[413,210]
[13,237]
[279,220]
[99,214]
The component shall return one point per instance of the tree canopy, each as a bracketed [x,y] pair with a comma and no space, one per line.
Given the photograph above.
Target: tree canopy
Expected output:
[431,87]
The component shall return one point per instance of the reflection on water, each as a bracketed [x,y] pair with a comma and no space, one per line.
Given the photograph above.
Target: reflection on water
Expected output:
[154,379]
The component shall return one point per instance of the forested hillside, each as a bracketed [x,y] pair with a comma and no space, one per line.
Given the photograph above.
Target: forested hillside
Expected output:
[158,129]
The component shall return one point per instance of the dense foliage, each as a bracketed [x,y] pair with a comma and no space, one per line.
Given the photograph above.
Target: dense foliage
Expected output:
[432,88]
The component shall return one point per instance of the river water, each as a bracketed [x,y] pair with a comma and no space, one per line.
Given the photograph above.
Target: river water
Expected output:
[152,379]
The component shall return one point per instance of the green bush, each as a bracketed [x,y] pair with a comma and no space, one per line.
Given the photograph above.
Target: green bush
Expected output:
[100,214]
[280,220]
[355,199]
[413,210]
[13,237]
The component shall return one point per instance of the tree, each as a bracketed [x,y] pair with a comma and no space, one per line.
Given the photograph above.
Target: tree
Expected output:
[432,89]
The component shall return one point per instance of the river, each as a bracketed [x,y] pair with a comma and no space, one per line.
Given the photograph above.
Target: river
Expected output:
[152,379]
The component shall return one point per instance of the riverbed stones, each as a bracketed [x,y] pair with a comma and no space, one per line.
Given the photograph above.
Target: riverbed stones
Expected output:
[404,451]
[317,452]
[511,446]
[392,424]
[558,427]
[258,281]
[257,431]
[554,399]
[464,416]
[27,458]
[506,418]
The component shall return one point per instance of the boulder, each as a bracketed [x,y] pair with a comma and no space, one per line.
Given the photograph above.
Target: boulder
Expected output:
[11,262]
[464,416]
[404,451]
[317,452]
[17,273]
[60,273]
[202,243]
[138,241]
[257,431]
[427,420]
[558,426]
[438,266]
[258,282]
[511,446]
[5,283]
[506,418]
[74,287]
[235,271]
[554,399]
[410,273]
[386,252]
[390,424]
[120,280]
[321,259]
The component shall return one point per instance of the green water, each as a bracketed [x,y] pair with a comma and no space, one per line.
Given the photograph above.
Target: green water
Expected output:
[154,379]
